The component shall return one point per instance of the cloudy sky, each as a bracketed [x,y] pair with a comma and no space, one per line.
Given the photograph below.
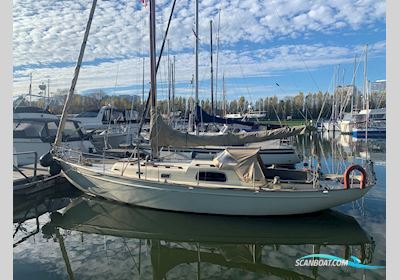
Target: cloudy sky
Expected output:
[295,43]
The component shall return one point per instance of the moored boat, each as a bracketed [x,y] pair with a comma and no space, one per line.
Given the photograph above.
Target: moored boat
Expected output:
[233,183]
[34,130]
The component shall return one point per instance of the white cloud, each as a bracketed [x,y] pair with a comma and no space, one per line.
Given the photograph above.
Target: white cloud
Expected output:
[255,63]
[49,31]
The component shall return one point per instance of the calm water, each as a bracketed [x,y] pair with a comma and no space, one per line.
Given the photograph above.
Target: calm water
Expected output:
[87,238]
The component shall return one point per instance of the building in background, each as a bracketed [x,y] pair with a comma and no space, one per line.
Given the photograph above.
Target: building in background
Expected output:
[378,86]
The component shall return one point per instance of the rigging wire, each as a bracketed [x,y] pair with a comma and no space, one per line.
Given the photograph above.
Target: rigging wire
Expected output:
[299,54]
[294,104]
[112,109]
[353,79]
[158,63]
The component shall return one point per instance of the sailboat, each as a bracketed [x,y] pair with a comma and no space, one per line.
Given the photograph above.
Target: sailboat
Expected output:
[367,123]
[233,183]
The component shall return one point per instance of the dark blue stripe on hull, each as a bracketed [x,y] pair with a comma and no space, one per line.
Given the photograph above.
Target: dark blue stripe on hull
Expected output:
[371,134]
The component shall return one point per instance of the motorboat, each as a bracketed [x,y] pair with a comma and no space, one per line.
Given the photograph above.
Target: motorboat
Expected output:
[34,130]
[110,127]
[106,116]
[371,123]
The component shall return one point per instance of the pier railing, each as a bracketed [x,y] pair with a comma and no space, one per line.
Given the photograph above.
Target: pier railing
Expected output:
[16,168]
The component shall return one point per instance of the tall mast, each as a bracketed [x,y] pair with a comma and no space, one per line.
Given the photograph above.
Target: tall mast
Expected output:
[153,70]
[342,97]
[48,93]
[365,77]
[216,74]
[48,89]
[68,101]
[196,75]
[173,72]
[169,81]
[223,94]
[143,101]
[30,89]
[212,70]
[353,85]
[333,96]
[337,81]
[153,76]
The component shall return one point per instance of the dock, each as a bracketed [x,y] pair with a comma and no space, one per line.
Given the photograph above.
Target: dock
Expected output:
[32,178]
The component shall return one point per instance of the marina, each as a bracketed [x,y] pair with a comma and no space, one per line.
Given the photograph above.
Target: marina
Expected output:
[93,237]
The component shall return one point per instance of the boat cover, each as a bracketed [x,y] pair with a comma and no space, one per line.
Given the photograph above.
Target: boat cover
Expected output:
[245,161]
[204,117]
[162,135]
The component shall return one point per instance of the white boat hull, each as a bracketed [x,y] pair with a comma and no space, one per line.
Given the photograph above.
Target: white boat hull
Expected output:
[330,126]
[346,127]
[182,198]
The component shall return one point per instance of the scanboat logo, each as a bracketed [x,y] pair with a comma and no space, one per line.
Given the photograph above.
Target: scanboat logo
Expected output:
[329,260]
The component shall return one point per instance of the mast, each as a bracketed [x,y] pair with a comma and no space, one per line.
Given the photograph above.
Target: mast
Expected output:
[68,101]
[169,81]
[333,96]
[216,74]
[153,76]
[196,75]
[353,85]
[367,112]
[337,82]
[223,94]
[30,89]
[48,91]
[366,88]
[343,100]
[365,77]
[212,70]
[173,86]
[143,102]
[147,103]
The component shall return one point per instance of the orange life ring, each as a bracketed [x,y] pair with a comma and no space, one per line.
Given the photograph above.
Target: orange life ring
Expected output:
[347,172]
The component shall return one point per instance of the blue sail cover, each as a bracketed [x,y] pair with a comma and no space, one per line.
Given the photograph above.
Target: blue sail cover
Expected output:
[204,117]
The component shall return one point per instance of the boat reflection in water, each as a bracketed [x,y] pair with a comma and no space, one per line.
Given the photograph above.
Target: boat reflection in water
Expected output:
[33,206]
[247,244]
